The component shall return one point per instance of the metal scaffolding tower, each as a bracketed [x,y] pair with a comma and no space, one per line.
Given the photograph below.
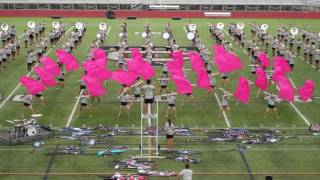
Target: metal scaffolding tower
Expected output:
[149,129]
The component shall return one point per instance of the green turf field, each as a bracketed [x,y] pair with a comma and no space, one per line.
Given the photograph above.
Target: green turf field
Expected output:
[292,156]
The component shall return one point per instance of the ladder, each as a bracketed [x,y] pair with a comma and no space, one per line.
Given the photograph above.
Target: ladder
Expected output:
[149,142]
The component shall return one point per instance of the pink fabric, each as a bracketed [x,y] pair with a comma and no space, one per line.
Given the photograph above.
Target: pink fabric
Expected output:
[286,90]
[135,53]
[134,65]
[177,57]
[196,62]
[94,70]
[100,74]
[67,59]
[227,62]
[32,86]
[124,77]
[281,64]
[174,65]
[50,65]
[45,78]
[142,68]
[88,65]
[183,86]
[242,92]
[203,80]
[261,80]
[218,50]
[177,72]
[306,90]
[100,57]
[147,71]
[278,71]
[235,61]
[94,88]
[264,60]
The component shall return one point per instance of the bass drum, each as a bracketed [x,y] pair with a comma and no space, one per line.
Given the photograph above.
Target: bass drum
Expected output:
[32,131]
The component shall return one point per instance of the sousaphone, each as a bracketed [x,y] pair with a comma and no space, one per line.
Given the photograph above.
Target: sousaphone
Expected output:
[220,26]
[103,26]
[5,27]
[240,25]
[79,25]
[56,25]
[31,24]
[165,35]
[264,27]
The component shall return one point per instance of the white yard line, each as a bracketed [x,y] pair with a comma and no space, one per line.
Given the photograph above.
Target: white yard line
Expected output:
[292,105]
[20,35]
[313,66]
[292,82]
[78,100]
[29,73]
[226,119]
[74,109]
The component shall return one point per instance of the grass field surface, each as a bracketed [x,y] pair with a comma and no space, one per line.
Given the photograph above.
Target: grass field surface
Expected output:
[292,156]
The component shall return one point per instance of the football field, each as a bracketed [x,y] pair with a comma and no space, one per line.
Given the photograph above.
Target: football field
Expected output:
[292,158]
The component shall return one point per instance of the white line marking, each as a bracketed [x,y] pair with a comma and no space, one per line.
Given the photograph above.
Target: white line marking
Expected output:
[226,119]
[20,35]
[74,109]
[78,100]
[17,87]
[302,58]
[292,105]
[292,82]
[300,114]
[223,112]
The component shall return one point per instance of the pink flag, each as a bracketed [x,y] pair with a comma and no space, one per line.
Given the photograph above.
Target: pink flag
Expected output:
[45,78]
[183,86]
[203,80]
[227,62]
[196,62]
[177,56]
[67,59]
[218,50]
[50,65]
[142,68]
[147,71]
[281,63]
[124,77]
[174,65]
[134,65]
[261,80]
[100,74]
[242,92]
[223,64]
[94,87]
[32,86]
[235,62]
[286,90]
[306,91]
[278,71]
[88,65]
[135,53]
[100,57]
[264,60]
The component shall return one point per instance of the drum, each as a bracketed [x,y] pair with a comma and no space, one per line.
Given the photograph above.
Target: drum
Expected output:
[32,131]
